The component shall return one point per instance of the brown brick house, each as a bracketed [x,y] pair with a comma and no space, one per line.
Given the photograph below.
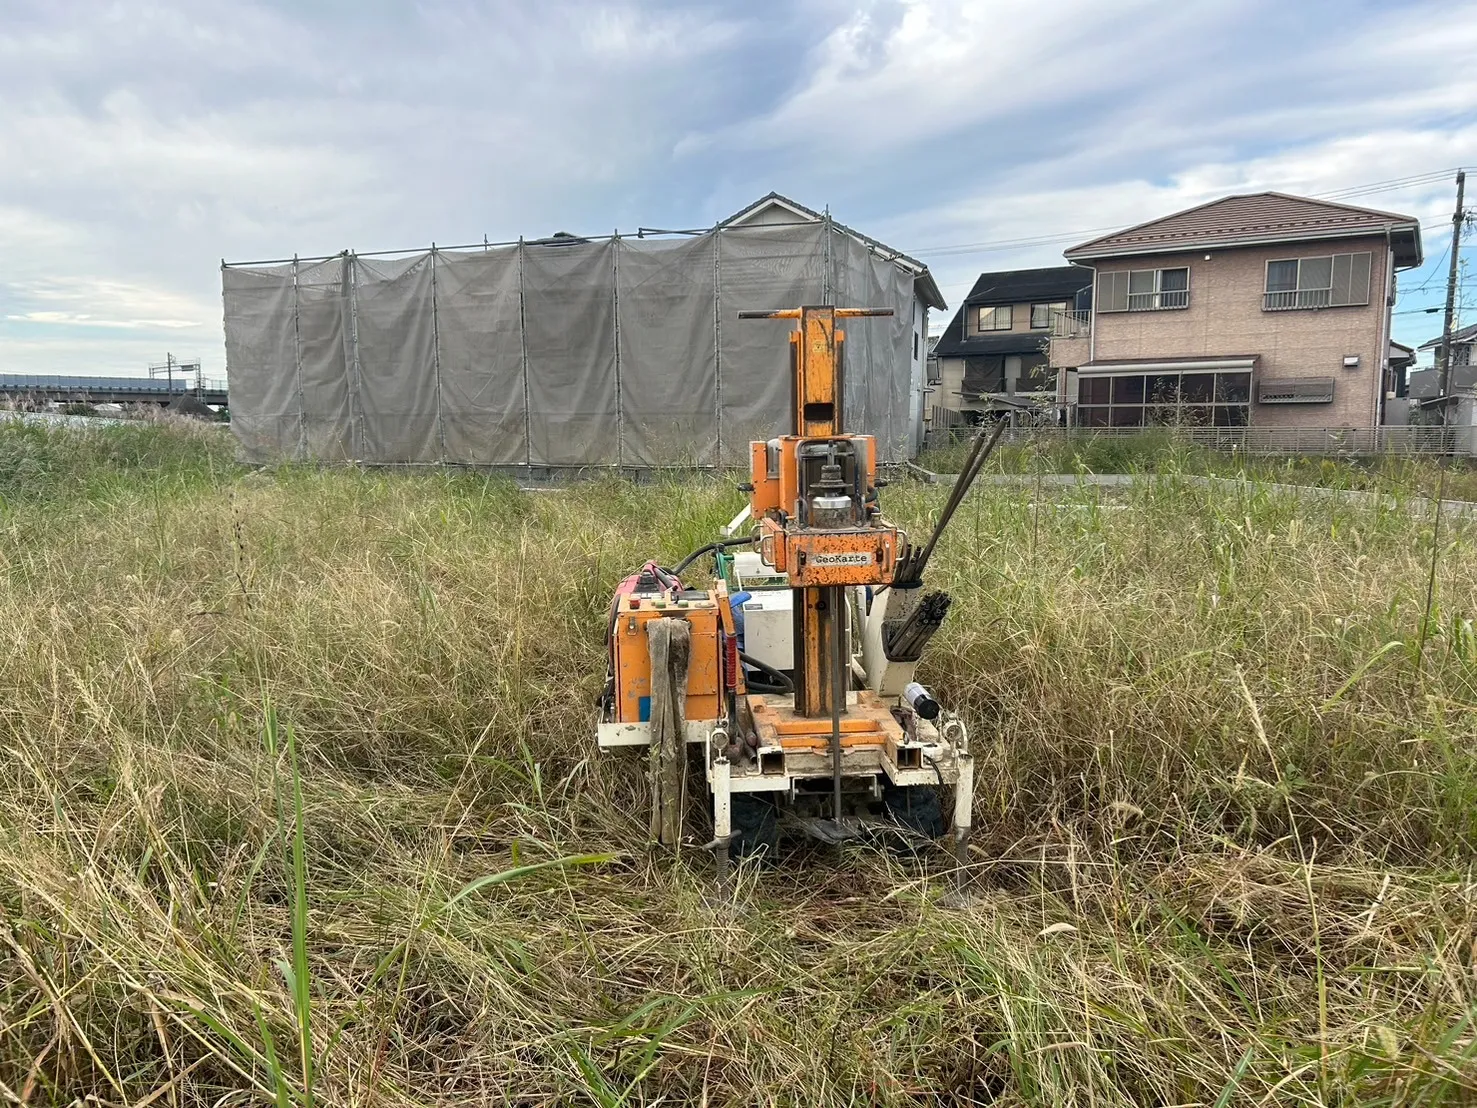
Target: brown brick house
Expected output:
[1265,310]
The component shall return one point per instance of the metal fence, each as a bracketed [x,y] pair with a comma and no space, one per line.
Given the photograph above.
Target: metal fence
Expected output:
[1158,301]
[1330,441]
[1288,299]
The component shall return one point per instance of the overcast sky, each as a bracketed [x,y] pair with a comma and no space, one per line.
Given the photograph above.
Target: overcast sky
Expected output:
[141,143]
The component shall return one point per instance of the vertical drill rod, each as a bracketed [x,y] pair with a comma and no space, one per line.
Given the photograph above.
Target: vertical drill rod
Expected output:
[836,602]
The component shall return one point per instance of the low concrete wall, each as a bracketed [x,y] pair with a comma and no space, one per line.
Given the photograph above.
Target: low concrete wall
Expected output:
[1417,504]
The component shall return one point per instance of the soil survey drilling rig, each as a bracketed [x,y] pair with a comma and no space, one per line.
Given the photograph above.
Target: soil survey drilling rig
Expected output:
[824,725]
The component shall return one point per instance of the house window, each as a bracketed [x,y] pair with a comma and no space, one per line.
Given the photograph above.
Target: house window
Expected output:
[1041,314]
[1325,281]
[1165,399]
[1144,290]
[994,319]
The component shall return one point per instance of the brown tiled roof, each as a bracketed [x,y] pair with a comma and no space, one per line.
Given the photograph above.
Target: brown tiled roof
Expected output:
[1259,217]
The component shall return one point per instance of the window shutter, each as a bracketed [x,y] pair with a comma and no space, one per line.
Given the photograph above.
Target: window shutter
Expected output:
[1359,278]
[1112,291]
[1342,267]
[1295,390]
[1351,278]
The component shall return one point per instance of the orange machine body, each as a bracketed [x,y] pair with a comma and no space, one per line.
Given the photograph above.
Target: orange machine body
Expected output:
[815,558]
[708,614]
[813,497]
[775,473]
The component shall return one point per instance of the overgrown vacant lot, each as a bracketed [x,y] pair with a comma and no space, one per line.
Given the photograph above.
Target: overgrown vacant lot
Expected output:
[1226,818]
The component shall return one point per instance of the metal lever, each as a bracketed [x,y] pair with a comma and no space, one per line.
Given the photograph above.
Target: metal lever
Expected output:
[917,560]
[794,313]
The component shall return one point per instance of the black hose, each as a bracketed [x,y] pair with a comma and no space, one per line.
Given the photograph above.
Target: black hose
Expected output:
[780,678]
[754,686]
[711,548]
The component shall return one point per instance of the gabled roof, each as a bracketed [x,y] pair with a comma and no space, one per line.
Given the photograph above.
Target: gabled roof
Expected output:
[801,213]
[1014,286]
[1255,219]
[953,344]
[1466,334]
[1019,286]
[924,285]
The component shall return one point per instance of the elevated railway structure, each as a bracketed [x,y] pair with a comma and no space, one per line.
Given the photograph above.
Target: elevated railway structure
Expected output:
[42,389]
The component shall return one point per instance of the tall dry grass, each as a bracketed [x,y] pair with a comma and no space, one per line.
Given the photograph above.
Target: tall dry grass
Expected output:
[301,805]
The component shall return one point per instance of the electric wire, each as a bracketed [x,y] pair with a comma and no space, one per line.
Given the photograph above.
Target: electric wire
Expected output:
[710,548]
[1369,189]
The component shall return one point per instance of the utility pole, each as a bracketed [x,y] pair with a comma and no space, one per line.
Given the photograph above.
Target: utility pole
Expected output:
[1456,245]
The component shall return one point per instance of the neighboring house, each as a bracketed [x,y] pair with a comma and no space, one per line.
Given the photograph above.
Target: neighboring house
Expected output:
[1402,357]
[1265,310]
[992,358]
[1425,385]
[1463,342]
[931,376]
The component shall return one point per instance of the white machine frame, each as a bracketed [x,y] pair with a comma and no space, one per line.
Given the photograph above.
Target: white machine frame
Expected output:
[943,748]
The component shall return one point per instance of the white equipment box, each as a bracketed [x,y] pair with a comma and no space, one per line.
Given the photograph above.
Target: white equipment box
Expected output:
[752,572]
[769,627]
[769,621]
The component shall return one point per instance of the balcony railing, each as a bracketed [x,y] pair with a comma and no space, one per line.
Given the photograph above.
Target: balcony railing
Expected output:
[1070,324]
[1296,298]
[1156,301]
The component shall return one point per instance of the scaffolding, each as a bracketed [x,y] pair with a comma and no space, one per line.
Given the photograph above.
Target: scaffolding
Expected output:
[619,351]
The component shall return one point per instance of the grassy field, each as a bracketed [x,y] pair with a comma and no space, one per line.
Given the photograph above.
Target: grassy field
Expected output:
[301,804]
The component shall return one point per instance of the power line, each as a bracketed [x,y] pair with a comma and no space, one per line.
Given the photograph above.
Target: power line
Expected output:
[1437,176]
[1008,244]
[1435,272]
[992,245]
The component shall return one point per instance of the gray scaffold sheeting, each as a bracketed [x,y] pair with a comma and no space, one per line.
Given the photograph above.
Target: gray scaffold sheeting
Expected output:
[623,352]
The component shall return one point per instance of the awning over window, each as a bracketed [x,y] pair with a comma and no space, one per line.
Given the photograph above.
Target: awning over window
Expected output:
[1242,363]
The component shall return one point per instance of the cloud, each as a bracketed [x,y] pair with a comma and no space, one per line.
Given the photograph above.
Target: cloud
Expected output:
[74,319]
[141,141]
